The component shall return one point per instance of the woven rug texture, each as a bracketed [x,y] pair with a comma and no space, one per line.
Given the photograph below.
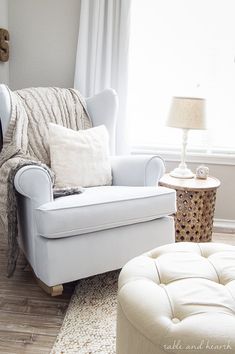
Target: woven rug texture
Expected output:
[89,325]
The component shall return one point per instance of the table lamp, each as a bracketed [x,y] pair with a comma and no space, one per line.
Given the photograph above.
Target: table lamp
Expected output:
[186,113]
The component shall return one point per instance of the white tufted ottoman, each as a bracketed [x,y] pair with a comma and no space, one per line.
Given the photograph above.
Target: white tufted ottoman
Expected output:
[179,298]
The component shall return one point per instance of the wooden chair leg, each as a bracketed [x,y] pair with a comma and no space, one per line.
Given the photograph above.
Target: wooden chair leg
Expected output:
[55,290]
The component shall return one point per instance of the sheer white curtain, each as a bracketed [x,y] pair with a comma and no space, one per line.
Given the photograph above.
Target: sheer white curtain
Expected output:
[102,54]
[182,48]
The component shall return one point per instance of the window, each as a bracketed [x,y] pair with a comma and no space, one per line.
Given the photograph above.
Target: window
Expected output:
[182,47]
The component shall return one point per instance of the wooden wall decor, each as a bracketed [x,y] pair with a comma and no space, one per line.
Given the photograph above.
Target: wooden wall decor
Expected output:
[4,47]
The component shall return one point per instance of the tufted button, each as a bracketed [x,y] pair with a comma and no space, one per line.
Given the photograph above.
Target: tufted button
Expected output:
[161,285]
[175,320]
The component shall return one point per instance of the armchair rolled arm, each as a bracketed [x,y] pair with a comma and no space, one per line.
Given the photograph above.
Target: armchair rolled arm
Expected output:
[35,183]
[137,170]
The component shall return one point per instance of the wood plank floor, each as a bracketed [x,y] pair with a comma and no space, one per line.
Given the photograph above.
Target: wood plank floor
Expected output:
[224,238]
[31,319]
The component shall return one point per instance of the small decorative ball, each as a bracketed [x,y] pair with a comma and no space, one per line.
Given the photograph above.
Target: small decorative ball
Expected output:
[202,172]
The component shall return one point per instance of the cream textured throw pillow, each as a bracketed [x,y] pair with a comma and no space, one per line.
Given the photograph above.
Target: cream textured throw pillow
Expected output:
[80,158]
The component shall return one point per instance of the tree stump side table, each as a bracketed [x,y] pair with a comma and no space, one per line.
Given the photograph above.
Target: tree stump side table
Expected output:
[195,207]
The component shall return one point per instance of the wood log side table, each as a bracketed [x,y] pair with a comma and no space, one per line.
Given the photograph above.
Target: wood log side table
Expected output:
[195,207]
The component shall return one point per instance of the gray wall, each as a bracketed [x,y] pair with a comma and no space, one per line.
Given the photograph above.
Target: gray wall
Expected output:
[43,42]
[4,67]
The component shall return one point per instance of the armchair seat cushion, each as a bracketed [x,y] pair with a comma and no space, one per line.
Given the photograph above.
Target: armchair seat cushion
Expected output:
[100,208]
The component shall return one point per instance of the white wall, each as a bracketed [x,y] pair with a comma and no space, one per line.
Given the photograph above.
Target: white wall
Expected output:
[43,42]
[4,66]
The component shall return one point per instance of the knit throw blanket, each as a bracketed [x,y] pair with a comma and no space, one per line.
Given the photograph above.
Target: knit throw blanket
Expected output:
[26,143]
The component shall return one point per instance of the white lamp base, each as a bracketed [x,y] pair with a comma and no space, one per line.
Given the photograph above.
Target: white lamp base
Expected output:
[180,172]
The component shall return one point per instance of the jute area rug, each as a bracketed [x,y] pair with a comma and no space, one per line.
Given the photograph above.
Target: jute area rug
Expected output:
[90,322]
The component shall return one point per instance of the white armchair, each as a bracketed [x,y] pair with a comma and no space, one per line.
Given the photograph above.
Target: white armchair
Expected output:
[101,229]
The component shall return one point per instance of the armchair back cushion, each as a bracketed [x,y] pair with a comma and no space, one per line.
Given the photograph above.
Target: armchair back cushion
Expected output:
[45,105]
[5,107]
[102,109]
